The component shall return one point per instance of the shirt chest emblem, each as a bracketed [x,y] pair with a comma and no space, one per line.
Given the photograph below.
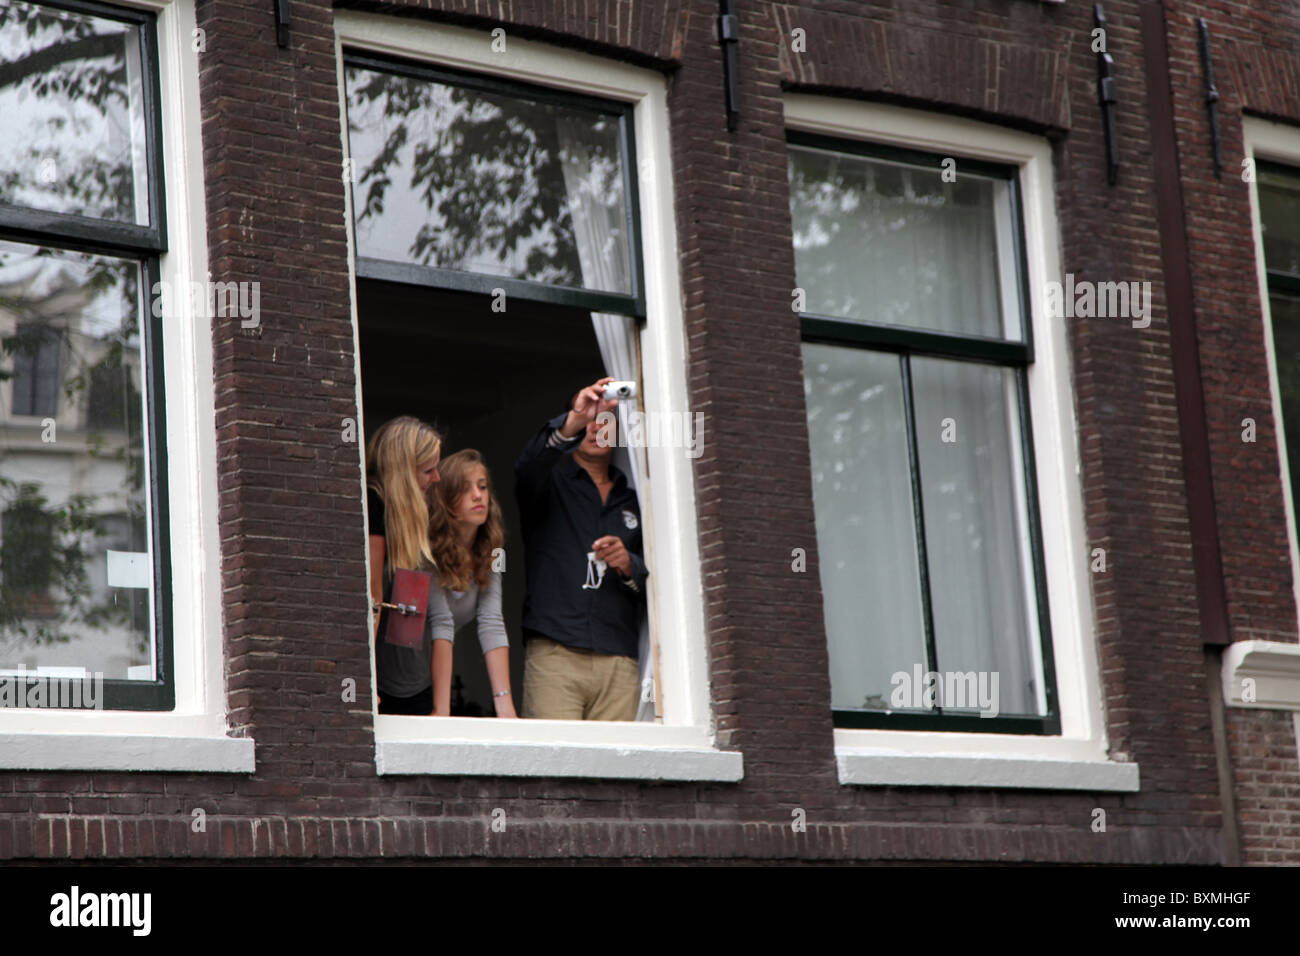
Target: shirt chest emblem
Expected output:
[629,519]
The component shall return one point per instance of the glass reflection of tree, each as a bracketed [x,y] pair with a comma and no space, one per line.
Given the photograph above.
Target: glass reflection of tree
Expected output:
[65,59]
[56,63]
[46,548]
[851,221]
[489,167]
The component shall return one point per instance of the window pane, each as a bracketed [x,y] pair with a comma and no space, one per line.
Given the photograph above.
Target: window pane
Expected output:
[969,454]
[866,541]
[460,179]
[892,243]
[76,567]
[72,99]
[1279,212]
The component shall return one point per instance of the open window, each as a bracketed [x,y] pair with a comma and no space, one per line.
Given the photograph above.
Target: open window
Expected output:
[487,380]
[498,270]
[513,237]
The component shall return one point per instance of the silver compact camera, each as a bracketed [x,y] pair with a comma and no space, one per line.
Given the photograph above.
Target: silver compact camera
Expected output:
[620,390]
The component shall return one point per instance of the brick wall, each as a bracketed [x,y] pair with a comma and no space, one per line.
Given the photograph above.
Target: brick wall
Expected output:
[1257,70]
[292,552]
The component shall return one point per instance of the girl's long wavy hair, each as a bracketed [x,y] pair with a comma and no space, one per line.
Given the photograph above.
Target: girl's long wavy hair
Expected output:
[456,564]
[394,454]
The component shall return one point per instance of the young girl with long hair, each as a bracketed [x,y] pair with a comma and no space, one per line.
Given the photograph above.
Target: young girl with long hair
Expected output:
[401,467]
[465,532]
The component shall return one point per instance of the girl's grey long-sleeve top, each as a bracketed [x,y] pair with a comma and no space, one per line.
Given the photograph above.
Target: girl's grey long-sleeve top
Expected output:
[485,605]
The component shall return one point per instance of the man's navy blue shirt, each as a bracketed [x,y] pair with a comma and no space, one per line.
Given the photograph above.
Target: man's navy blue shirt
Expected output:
[562,515]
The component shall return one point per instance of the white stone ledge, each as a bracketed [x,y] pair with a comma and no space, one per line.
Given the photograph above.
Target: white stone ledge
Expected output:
[1274,670]
[870,767]
[609,761]
[135,752]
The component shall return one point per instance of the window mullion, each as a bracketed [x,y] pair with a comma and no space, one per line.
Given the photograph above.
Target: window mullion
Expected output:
[150,62]
[407,273]
[632,207]
[893,338]
[1038,557]
[163,688]
[79,233]
[1283,283]
[918,515]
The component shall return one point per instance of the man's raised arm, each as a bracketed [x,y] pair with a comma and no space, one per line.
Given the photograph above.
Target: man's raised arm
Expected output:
[555,439]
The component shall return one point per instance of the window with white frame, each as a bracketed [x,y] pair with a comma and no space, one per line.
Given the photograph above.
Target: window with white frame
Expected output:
[107,438]
[1273,166]
[536,177]
[1278,191]
[502,217]
[915,354]
[944,452]
[84,560]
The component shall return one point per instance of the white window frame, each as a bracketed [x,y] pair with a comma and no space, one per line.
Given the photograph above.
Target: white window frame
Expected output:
[1280,144]
[683,746]
[1078,758]
[1275,665]
[194,735]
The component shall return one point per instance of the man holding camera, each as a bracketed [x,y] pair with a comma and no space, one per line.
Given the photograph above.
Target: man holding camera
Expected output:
[585,573]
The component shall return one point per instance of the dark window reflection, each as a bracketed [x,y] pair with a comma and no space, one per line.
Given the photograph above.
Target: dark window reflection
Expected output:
[1285,313]
[36,370]
[1279,207]
[27,555]
[112,400]
[1279,211]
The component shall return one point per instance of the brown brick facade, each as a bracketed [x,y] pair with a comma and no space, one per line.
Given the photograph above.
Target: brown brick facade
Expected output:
[292,549]
[1257,70]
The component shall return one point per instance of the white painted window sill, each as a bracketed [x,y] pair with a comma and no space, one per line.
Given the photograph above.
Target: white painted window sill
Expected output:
[120,740]
[467,746]
[135,752]
[914,759]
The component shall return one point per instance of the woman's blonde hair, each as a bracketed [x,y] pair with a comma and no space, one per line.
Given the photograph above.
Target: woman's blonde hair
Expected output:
[394,455]
[456,565]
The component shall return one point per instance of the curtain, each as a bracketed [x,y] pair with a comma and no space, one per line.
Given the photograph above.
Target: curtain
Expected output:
[866,542]
[596,209]
[976,537]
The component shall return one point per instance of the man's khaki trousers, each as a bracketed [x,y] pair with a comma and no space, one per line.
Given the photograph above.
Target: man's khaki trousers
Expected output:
[561,683]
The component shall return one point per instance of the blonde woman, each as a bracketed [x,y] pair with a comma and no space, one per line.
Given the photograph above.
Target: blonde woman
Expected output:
[465,534]
[401,467]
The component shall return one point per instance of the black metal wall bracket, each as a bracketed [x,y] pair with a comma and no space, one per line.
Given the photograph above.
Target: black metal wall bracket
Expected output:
[1211,95]
[729,39]
[1106,96]
[281,23]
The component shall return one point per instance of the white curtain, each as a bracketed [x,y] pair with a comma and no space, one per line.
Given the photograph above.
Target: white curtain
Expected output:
[866,542]
[594,187]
